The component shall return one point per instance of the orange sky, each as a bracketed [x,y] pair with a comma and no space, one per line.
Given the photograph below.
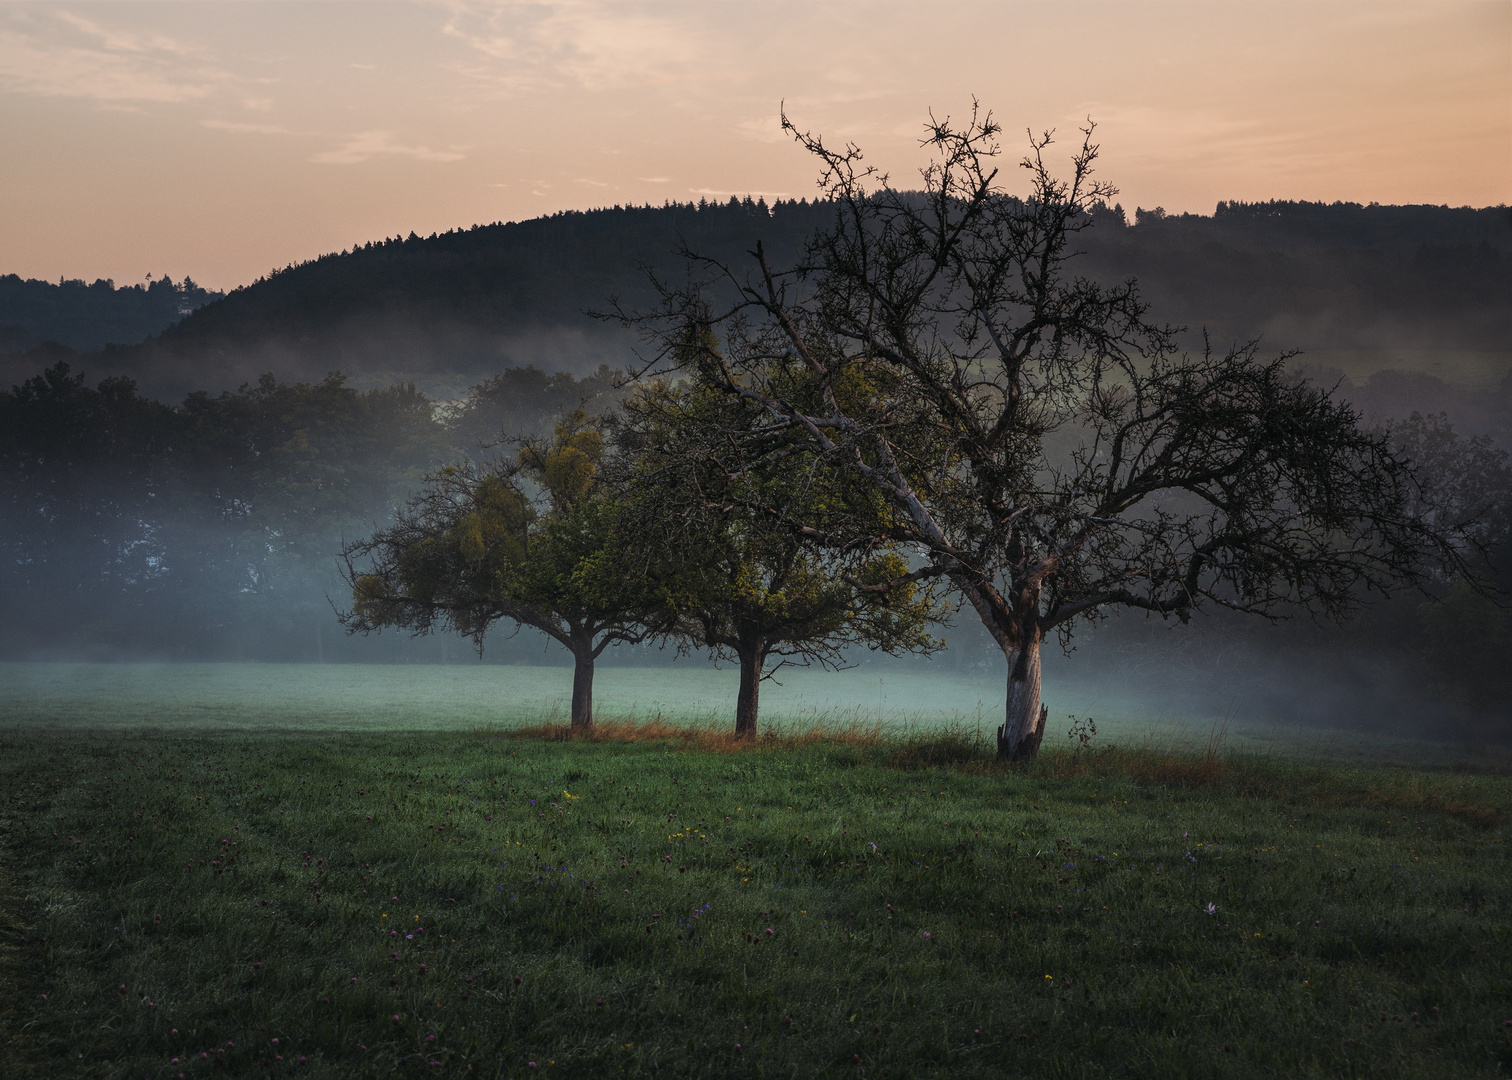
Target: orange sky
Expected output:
[221,140]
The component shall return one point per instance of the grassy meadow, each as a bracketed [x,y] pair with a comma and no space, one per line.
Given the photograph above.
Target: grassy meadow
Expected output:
[309,885]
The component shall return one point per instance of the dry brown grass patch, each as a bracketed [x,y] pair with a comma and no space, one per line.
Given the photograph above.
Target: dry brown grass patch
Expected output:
[776,736]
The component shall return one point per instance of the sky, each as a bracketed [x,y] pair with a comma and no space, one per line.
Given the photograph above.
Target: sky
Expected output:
[222,140]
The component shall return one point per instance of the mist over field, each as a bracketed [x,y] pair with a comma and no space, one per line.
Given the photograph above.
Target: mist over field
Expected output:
[189,508]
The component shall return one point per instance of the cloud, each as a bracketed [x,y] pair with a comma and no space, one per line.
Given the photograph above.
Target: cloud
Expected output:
[366,145]
[121,40]
[253,129]
[596,46]
[767,129]
[67,55]
[740,194]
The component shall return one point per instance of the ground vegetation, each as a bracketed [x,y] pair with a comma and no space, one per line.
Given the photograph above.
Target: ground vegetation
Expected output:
[488,905]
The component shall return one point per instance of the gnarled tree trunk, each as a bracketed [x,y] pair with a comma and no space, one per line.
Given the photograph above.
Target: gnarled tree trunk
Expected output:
[582,686]
[1024,722]
[752,662]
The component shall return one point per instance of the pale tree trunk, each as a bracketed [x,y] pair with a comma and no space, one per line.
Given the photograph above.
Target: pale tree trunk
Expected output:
[752,661]
[582,687]
[1024,722]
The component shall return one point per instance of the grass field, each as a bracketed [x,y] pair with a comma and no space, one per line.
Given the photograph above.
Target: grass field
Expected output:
[413,697]
[209,900]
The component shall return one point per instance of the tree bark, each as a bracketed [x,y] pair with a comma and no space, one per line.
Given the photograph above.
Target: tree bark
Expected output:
[752,661]
[1024,723]
[582,687]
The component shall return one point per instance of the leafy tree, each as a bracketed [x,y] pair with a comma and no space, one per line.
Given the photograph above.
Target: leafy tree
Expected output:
[1037,436]
[740,582]
[537,541]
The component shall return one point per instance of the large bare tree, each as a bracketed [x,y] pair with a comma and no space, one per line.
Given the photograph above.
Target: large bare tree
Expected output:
[1039,441]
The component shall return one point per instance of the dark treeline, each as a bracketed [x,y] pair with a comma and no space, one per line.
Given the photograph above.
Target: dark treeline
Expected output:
[209,529]
[87,317]
[1393,281]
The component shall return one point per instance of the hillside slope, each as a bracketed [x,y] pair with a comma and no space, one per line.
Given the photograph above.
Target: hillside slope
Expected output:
[1360,288]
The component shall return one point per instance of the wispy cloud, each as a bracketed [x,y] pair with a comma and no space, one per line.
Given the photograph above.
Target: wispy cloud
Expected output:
[252,129]
[596,46]
[767,129]
[366,145]
[58,53]
[740,194]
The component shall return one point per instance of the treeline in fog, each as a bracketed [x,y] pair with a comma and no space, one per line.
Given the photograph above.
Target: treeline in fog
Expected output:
[209,529]
[1425,284]
[149,513]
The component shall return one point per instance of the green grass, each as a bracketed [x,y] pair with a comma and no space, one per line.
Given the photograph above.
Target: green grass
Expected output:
[179,894]
[414,697]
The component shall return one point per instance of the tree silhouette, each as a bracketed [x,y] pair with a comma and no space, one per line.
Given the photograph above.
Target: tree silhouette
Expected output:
[1038,439]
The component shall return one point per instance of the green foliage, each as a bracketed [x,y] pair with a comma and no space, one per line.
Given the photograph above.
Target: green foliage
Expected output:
[716,513]
[803,912]
[472,548]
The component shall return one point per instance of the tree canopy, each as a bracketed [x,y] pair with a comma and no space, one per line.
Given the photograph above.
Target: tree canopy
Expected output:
[740,582]
[476,545]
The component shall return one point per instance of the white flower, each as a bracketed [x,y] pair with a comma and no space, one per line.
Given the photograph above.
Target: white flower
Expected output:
[1212,909]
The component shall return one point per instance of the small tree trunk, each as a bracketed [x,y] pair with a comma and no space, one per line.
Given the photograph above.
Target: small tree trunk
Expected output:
[752,661]
[1024,723]
[582,687]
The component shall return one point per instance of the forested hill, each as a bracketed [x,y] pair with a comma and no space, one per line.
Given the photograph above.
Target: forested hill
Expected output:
[89,316]
[1361,288]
